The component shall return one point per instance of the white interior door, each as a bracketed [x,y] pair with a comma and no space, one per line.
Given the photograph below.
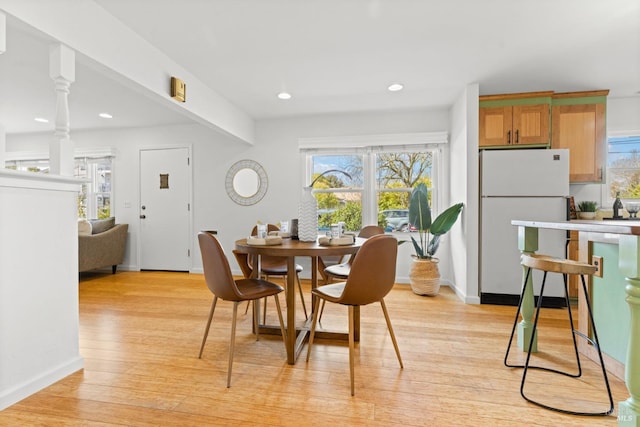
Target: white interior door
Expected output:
[165,182]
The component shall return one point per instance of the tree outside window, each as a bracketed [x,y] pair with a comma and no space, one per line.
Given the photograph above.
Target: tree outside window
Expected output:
[623,166]
[394,175]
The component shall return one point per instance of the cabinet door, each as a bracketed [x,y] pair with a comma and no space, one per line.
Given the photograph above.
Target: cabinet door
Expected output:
[495,126]
[581,129]
[531,124]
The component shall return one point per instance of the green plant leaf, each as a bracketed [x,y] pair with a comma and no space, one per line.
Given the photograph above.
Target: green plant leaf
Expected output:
[418,248]
[419,210]
[445,220]
[433,245]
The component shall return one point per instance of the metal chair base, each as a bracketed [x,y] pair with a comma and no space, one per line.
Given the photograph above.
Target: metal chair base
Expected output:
[595,342]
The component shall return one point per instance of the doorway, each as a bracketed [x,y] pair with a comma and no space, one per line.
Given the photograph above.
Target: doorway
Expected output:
[165,209]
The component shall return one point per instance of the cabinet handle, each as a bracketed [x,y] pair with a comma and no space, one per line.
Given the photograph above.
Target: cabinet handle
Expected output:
[508,137]
[517,136]
[600,174]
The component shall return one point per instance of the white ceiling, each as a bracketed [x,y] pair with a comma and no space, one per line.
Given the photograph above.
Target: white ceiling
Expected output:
[338,56]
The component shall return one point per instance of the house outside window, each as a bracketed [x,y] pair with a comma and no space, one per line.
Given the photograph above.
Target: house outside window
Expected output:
[96,195]
[623,167]
[381,178]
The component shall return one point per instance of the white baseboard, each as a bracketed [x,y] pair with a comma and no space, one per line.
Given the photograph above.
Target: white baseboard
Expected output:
[37,383]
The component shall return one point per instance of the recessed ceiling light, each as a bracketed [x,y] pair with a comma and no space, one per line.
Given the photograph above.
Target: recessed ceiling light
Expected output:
[41,120]
[284,95]
[105,115]
[395,87]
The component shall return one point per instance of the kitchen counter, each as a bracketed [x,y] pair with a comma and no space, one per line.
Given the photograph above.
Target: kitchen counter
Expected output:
[626,234]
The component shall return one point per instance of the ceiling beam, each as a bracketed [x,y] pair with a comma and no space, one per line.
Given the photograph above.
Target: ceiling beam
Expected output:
[90,30]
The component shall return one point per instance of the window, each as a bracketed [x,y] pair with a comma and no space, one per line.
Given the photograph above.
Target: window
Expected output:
[623,167]
[371,182]
[94,200]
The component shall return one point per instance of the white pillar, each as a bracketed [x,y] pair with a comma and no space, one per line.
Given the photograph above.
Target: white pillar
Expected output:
[3,47]
[3,147]
[62,69]
[3,32]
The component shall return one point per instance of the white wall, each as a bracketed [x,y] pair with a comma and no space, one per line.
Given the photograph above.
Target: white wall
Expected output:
[39,331]
[464,188]
[276,149]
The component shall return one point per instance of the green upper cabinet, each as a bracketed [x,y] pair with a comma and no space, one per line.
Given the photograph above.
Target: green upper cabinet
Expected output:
[515,120]
[579,123]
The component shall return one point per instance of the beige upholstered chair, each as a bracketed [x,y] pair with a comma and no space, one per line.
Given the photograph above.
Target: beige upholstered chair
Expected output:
[220,282]
[371,278]
[341,270]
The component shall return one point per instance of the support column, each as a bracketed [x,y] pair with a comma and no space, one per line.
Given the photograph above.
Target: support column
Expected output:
[3,32]
[528,244]
[3,47]
[629,264]
[3,147]
[62,70]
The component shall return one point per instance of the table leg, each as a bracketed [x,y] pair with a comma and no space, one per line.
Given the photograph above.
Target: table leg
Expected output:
[629,264]
[527,243]
[291,310]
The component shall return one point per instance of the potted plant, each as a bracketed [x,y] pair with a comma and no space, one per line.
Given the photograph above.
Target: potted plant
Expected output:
[424,275]
[587,209]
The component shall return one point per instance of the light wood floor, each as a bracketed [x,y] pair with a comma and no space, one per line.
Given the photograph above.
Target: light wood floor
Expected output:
[140,335]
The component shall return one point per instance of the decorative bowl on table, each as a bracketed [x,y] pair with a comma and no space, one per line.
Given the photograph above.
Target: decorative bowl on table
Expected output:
[633,209]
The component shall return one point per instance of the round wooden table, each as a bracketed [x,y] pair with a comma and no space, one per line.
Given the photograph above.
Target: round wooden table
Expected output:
[291,249]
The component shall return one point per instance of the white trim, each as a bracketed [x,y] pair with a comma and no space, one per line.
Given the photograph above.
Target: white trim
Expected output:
[360,141]
[622,133]
[44,155]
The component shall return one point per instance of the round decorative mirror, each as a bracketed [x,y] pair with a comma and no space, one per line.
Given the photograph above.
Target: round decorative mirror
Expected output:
[246,182]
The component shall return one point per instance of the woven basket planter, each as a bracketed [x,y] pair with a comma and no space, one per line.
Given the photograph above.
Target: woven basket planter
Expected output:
[424,276]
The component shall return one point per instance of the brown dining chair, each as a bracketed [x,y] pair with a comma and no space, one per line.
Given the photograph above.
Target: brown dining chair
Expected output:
[220,281]
[371,278]
[340,271]
[277,266]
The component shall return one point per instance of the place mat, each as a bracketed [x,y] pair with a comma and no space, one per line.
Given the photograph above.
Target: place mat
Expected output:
[336,241]
[267,241]
[282,234]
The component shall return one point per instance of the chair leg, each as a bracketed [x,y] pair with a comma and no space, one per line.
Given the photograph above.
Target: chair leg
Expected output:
[351,348]
[321,311]
[255,320]
[596,343]
[393,336]
[312,333]
[282,330]
[304,306]
[206,330]
[515,321]
[233,342]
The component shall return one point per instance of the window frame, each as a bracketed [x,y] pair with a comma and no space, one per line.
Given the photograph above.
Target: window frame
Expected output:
[17,157]
[606,198]
[369,146]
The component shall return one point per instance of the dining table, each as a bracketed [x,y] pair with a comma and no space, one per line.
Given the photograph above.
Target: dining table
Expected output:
[296,335]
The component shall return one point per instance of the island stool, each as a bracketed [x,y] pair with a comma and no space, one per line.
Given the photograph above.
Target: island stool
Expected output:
[557,265]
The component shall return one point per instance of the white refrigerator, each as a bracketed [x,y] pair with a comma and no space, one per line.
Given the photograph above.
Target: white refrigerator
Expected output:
[527,185]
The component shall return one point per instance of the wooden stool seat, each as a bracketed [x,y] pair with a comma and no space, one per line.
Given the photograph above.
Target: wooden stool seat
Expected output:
[556,265]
